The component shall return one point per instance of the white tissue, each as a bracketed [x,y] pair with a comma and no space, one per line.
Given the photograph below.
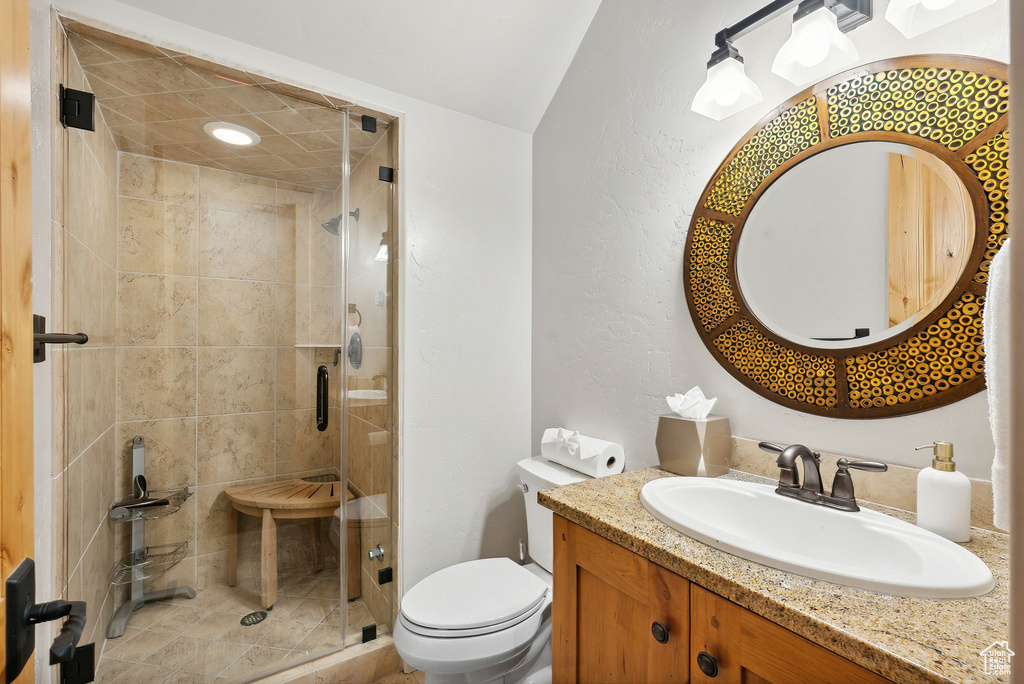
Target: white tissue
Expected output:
[693,405]
[568,442]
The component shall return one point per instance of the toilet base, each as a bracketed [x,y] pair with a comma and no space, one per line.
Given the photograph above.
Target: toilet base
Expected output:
[534,668]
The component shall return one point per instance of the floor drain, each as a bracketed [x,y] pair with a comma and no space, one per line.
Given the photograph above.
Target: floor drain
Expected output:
[254,618]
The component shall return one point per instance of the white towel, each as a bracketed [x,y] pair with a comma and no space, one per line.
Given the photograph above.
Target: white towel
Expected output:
[996,330]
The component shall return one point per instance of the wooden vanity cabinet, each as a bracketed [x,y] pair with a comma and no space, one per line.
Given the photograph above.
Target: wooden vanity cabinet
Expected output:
[608,601]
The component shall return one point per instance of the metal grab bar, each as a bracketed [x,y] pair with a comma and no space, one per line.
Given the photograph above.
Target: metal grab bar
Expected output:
[60,338]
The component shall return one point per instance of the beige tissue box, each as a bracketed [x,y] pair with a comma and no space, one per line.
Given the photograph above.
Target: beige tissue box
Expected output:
[680,446]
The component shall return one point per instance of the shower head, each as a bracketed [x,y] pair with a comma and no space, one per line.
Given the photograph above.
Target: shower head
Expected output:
[332,225]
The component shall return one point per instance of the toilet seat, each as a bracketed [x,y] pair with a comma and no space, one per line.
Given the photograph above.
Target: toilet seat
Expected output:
[472,631]
[473,598]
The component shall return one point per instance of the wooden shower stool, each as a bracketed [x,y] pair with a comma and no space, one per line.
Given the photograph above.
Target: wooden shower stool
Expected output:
[273,501]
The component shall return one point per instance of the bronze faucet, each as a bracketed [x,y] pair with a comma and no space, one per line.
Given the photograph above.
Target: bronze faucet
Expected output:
[810,490]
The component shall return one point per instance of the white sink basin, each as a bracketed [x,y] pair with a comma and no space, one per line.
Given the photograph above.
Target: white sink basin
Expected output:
[866,549]
[367,394]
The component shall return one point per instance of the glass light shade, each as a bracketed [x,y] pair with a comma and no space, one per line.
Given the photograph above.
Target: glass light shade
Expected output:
[230,133]
[382,253]
[726,91]
[914,17]
[816,48]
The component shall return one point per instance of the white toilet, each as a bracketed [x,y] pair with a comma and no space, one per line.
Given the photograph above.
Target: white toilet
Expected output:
[489,620]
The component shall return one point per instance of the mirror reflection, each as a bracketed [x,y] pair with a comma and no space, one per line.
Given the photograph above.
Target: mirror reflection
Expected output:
[855,244]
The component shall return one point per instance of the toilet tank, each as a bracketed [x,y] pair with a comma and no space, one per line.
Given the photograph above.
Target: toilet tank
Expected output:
[536,474]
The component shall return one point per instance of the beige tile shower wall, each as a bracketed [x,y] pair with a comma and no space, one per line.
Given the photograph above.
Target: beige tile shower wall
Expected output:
[371,439]
[85,209]
[220,276]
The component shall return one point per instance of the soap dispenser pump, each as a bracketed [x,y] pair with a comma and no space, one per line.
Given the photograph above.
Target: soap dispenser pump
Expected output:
[944,496]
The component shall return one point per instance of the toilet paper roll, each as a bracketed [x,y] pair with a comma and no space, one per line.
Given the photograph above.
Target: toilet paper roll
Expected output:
[587,455]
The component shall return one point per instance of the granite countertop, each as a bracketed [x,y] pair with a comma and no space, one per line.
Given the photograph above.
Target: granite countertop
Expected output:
[902,639]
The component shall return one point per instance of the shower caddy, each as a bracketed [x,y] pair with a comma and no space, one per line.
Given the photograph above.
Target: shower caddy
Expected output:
[143,562]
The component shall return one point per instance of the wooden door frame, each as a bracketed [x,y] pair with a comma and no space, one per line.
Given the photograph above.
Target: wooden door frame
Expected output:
[1016,369]
[16,459]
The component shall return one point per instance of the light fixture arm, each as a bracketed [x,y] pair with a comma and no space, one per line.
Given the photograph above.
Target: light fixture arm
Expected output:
[849,13]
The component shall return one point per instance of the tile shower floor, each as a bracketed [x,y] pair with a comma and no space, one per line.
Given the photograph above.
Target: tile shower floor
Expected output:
[201,639]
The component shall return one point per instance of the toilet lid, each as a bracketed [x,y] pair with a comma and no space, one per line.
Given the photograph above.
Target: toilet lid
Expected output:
[476,594]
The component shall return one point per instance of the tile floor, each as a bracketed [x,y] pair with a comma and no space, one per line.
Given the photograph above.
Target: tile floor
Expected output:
[201,640]
[416,677]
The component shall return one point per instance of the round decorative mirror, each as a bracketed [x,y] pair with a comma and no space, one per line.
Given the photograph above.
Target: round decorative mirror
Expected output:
[900,229]
[837,260]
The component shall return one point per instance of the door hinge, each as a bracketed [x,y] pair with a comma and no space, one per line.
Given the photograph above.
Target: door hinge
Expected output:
[369,632]
[77,109]
[369,123]
[384,575]
[386,174]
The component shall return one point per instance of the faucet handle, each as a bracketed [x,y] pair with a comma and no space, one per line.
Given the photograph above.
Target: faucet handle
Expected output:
[770,448]
[842,484]
[871,466]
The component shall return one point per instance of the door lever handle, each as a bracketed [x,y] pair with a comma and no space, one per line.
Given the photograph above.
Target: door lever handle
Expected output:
[63,648]
[60,338]
[40,338]
[23,614]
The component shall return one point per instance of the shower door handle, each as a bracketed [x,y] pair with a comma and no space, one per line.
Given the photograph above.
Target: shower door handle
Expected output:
[321,398]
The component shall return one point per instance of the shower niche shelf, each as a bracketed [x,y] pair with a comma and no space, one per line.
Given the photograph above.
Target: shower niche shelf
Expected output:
[144,562]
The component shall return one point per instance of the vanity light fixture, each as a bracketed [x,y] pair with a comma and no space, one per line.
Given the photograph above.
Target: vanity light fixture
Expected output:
[816,48]
[727,88]
[817,45]
[230,133]
[382,253]
[914,17]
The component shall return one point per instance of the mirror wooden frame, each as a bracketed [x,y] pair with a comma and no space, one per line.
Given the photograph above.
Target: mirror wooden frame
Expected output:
[954,107]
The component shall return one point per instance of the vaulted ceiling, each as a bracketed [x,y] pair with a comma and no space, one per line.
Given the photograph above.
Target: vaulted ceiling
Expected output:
[498,60]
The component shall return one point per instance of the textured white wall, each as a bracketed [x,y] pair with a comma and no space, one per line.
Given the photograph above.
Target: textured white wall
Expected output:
[464,266]
[619,163]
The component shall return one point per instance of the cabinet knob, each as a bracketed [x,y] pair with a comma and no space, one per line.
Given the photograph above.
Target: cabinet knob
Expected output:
[660,632]
[707,664]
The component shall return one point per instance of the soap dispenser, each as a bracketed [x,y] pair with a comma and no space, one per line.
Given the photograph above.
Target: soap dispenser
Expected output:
[944,496]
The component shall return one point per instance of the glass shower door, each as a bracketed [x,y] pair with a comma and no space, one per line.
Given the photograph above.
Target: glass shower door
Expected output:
[371,444]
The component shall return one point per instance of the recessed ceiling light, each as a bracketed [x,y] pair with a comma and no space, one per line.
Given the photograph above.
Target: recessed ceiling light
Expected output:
[231,133]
